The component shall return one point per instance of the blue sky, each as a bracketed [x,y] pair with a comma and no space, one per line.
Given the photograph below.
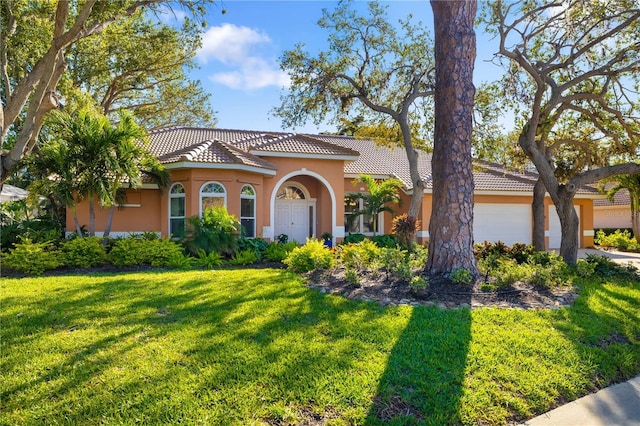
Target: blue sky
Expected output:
[239,57]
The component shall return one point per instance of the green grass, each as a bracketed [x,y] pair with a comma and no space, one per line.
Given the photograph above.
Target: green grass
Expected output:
[257,347]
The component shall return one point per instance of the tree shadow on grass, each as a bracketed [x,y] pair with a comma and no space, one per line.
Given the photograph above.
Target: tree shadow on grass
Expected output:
[424,375]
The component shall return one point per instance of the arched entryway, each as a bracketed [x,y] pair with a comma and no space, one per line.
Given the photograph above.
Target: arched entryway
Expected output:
[301,204]
[295,212]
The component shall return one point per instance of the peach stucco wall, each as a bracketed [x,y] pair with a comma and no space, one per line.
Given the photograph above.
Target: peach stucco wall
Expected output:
[612,217]
[148,210]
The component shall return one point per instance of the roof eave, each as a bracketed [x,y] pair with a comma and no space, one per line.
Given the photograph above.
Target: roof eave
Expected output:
[239,167]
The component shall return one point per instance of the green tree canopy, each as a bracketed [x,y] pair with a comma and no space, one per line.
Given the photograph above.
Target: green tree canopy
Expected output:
[572,73]
[373,74]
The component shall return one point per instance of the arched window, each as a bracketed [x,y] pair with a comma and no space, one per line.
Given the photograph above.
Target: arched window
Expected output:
[212,194]
[248,211]
[290,192]
[177,213]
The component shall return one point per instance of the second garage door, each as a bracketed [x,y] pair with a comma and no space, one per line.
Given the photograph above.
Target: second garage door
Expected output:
[509,223]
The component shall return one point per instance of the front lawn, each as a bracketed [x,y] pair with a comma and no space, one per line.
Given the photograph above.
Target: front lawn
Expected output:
[257,347]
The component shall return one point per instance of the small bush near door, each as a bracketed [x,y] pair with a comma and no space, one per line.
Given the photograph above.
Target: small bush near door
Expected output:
[313,255]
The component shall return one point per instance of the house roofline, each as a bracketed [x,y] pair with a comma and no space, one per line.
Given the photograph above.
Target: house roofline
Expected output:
[259,153]
[240,167]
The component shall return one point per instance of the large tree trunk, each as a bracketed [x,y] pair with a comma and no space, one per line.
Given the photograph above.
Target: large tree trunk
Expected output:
[539,192]
[451,225]
[570,224]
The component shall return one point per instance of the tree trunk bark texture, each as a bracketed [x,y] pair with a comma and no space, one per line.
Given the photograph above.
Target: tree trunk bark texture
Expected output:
[569,223]
[539,192]
[451,224]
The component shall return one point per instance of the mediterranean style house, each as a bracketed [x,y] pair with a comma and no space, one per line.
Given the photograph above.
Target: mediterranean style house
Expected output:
[295,184]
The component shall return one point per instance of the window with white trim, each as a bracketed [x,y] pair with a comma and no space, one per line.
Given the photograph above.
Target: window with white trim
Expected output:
[359,224]
[177,211]
[248,211]
[212,194]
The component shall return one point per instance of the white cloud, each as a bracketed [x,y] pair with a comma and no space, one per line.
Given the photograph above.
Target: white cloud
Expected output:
[240,49]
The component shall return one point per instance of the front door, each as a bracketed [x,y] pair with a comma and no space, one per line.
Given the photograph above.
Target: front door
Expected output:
[292,219]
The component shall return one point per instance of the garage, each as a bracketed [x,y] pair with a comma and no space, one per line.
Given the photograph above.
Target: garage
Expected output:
[509,223]
[555,231]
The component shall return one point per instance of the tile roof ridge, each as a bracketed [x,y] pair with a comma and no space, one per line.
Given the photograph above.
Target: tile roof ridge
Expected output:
[237,153]
[271,140]
[197,149]
[499,170]
[323,143]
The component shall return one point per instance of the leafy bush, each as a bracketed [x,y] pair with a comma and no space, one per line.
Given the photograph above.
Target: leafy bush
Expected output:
[585,269]
[385,241]
[418,256]
[278,252]
[555,273]
[210,260]
[482,250]
[392,259]
[405,228]
[244,257]
[216,231]
[351,275]
[32,258]
[180,261]
[461,276]
[38,230]
[608,268]
[359,256]
[418,282]
[259,245]
[134,251]
[509,272]
[313,255]
[619,239]
[84,252]
[354,238]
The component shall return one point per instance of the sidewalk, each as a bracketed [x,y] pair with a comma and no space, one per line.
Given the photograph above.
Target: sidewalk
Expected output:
[617,405]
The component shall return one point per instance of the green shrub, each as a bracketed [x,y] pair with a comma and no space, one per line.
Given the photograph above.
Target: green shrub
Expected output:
[384,241]
[461,276]
[354,238]
[585,269]
[216,231]
[554,274]
[32,258]
[84,252]
[619,239]
[40,230]
[244,257]
[313,255]
[360,256]
[351,276]
[606,267]
[134,251]
[210,260]
[180,261]
[418,282]
[392,259]
[403,272]
[278,252]
[259,245]
[418,256]
[509,272]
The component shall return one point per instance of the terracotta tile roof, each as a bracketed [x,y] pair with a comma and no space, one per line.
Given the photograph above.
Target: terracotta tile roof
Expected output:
[224,146]
[215,152]
[379,160]
[300,144]
[622,198]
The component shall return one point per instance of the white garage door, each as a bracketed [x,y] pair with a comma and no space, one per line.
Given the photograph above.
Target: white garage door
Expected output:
[555,232]
[509,223]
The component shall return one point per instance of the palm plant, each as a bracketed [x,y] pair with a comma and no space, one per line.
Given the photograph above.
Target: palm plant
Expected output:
[632,184]
[381,194]
[91,158]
